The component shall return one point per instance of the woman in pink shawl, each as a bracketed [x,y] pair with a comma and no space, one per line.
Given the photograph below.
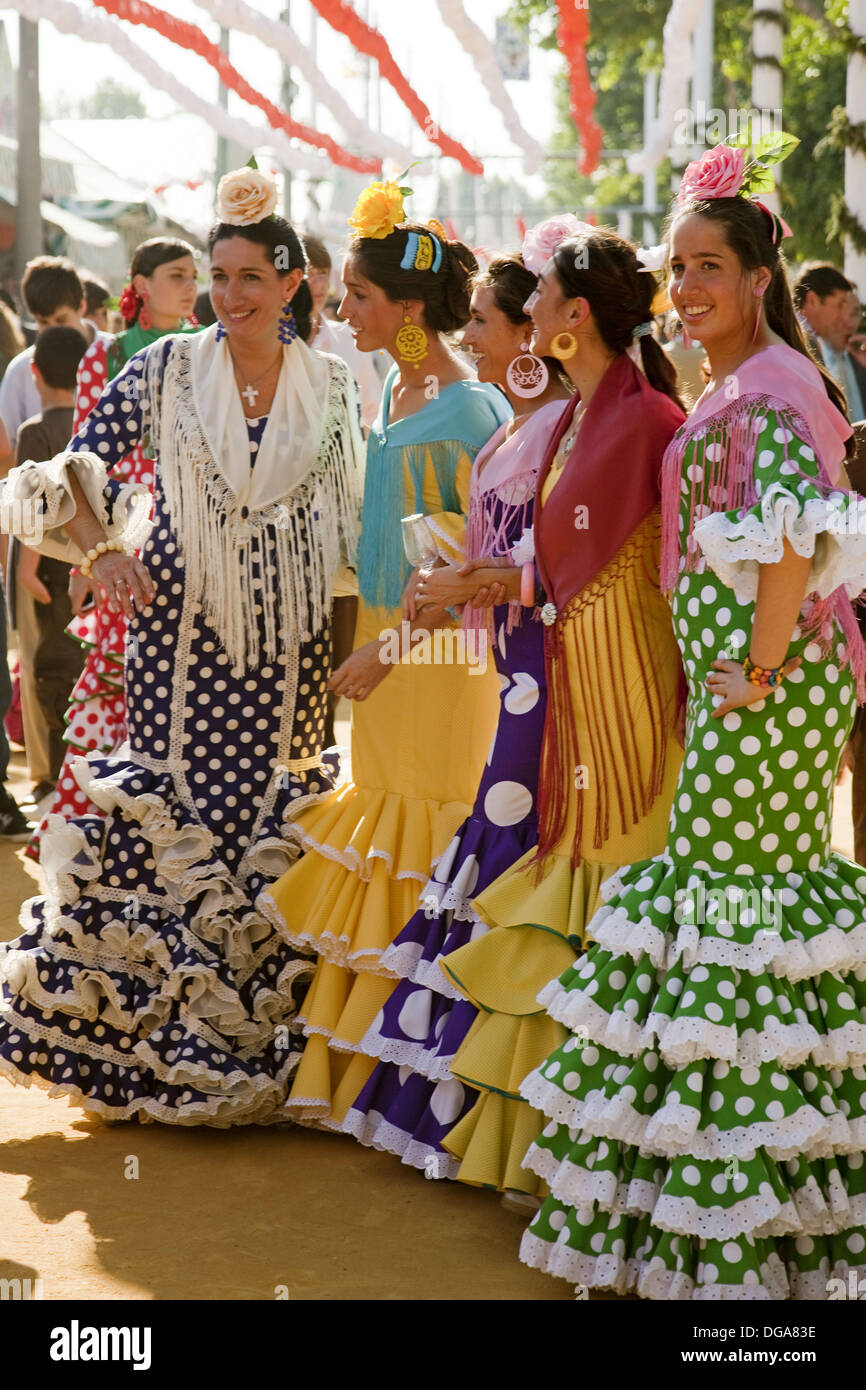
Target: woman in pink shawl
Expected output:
[708,1111]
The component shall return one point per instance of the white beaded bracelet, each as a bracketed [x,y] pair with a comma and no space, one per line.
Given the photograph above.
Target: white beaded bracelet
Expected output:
[94,553]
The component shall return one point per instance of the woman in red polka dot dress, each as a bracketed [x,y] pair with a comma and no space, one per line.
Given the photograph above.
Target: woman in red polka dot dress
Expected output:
[158,299]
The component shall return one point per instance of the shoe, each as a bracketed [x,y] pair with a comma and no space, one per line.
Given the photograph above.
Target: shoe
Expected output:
[13,824]
[39,792]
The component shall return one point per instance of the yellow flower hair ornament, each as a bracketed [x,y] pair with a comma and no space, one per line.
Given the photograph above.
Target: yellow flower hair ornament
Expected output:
[380,208]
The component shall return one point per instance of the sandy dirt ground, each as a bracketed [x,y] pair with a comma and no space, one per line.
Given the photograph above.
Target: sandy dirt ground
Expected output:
[150,1212]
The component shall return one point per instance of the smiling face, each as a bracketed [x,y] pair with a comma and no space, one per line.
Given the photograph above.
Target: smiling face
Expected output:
[171,291]
[711,290]
[246,291]
[491,337]
[375,320]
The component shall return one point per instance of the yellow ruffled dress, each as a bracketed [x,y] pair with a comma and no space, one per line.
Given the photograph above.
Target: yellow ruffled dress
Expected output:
[538,918]
[418,748]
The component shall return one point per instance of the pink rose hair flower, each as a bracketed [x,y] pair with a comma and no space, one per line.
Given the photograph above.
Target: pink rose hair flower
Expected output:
[541,241]
[719,173]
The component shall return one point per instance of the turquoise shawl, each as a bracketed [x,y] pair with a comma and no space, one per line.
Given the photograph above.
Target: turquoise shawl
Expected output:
[458,421]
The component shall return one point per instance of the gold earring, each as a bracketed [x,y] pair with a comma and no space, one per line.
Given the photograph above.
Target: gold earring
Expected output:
[411,342]
[563,346]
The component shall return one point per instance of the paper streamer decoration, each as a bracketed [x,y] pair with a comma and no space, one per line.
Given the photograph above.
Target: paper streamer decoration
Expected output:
[369,41]
[236,14]
[190,37]
[483,54]
[572,36]
[678,63]
[96,29]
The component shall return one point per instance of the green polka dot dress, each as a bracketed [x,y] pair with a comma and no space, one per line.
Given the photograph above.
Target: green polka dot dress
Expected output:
[708,1111]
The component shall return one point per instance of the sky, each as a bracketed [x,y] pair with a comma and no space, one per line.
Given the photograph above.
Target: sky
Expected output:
[428,52]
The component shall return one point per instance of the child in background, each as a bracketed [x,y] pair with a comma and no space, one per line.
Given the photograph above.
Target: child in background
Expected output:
[56,657]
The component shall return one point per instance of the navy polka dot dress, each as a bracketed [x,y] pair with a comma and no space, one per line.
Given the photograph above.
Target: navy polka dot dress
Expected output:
[152,981]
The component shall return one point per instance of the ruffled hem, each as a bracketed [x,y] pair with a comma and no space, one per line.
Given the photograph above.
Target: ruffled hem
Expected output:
[182,991]
[385,843]
[373,1131]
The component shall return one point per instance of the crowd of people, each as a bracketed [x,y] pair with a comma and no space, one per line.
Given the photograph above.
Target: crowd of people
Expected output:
[571,928]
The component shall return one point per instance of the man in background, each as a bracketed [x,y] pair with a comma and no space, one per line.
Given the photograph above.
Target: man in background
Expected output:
[829,308]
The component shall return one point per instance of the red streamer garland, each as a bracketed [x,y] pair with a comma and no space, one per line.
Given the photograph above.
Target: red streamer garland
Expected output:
[572,37]
[369,41]
[190,37]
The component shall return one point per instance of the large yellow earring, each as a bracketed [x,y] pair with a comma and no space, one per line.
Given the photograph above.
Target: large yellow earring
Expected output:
[411,342]
[563,346]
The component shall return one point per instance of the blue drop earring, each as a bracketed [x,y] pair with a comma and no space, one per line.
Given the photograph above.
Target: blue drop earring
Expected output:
[220,333]
[287,329]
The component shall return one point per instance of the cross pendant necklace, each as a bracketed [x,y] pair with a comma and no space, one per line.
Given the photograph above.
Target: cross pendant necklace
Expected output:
[251,391]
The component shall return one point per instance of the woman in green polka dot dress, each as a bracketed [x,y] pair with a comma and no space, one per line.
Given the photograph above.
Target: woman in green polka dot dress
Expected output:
[708,1112]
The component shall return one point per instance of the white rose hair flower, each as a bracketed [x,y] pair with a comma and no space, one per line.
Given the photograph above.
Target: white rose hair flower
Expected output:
[245,196]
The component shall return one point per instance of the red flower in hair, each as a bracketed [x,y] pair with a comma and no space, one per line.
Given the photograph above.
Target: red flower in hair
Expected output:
[130,303]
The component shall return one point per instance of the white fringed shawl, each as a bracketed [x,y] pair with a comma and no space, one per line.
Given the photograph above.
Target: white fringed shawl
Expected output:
[271,538]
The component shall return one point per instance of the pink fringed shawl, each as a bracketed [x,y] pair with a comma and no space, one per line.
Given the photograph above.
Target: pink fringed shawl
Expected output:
[501,494]
[720,438]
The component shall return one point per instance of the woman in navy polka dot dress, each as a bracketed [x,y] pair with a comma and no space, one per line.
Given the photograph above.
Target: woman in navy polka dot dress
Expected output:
[152,981]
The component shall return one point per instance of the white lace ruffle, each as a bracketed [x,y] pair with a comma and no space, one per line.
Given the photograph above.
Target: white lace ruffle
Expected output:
[736,548]
[672,1130]
[374,1132]
[49,482]
[830,950]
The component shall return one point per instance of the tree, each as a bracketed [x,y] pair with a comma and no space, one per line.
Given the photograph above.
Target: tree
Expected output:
[619,55]
[109,101]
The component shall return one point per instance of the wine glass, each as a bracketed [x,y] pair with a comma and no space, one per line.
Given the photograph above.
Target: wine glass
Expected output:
[419,542]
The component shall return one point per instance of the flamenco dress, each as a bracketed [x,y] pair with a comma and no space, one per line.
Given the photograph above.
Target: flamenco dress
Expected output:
[152,981]
[609,757]
[418,747]
[707,1108]
[411,1100]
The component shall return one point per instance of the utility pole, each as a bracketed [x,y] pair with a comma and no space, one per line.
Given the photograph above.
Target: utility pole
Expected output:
[288,91]
[28,225]
[222,159]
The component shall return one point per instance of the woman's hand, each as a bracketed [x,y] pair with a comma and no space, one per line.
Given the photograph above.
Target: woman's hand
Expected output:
[360,673]
[441,588]
[81,592]
[728,679]
[125,581]
[34,586]
[485,595]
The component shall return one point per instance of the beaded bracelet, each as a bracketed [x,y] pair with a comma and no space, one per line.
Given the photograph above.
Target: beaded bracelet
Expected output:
[768,677]
[85,565]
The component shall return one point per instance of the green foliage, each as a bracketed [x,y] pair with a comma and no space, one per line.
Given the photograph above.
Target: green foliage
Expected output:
[108,101]
[622,50]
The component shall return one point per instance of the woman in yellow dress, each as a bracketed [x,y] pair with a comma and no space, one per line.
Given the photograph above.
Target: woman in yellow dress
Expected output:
[609,759]
[419,739]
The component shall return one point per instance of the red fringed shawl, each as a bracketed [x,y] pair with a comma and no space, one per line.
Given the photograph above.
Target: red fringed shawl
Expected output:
[614,473]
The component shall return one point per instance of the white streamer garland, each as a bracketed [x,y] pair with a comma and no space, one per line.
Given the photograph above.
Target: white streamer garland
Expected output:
[236,14]
[674,86]
[101,29]
[483,54]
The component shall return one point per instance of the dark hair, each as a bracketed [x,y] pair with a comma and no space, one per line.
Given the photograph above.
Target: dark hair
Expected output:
[57,353]
[445,292]
[159,250]
[602,267]
[748,230]
[822,279]
[511,283]
[283,248]
[317,252]
[50,283]
[204,309]
[95,291]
